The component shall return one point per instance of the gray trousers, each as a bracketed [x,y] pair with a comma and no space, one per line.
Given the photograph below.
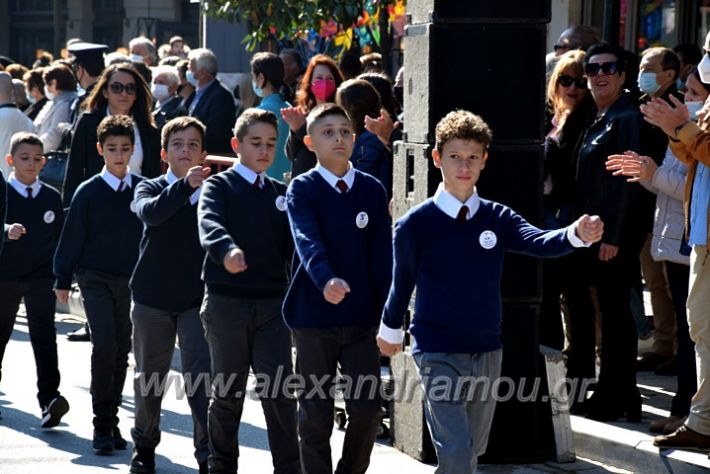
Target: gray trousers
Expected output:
[154,333]
[244,333]
[459,412]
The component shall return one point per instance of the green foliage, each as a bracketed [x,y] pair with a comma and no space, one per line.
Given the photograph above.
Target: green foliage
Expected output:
[285,18]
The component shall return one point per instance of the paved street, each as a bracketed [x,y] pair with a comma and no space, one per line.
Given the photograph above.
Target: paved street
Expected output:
[28,449]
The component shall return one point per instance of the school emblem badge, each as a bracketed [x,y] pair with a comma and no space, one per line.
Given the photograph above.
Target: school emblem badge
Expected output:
[487,239]
[281,203]
[49,217]
[361,220]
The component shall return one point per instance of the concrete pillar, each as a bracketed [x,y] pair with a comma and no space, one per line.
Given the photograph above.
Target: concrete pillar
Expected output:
[142,17]
[225,39]
[80,17]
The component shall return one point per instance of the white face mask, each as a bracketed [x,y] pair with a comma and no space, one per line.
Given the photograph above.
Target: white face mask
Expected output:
[136,58]
[48,94]
[704,69]
[693,108]
[159,91]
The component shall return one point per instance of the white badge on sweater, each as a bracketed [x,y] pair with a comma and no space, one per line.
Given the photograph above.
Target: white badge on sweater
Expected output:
[49,217]
[487,239]
[361,220]
[281,203]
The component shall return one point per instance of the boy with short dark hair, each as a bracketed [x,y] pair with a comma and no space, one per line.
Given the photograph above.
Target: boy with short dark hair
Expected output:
[34,223]
[451,247]
[342,231]
[244,230]
[99,244]
[167,292]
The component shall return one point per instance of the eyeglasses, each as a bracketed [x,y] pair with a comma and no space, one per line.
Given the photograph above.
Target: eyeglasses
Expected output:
[118,88]
[566,81]
[592,69]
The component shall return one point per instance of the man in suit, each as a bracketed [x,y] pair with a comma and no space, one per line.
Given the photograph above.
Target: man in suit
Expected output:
[213,104]
[164,89]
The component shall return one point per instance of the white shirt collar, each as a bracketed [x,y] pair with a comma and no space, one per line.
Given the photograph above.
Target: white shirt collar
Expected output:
[446,201]
[171,178]
[331,179]
[248,174]
[113,181]
[22,188]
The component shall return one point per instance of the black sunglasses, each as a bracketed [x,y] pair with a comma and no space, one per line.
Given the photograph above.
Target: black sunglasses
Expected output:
[566,81]
[118,88]
[592,69]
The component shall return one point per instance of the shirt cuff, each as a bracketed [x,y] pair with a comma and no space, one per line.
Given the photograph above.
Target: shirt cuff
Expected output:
[573,239]
[392,336]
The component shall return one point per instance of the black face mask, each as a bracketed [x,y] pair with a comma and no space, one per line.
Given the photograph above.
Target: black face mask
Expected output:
[399,95]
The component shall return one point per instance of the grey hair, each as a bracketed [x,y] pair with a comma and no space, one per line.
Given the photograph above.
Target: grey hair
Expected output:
[170,72]
[142,40]
[206,59]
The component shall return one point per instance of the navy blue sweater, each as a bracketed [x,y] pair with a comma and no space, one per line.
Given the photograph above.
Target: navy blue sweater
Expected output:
[329,244]
[3,205]
[101,232]
[30,256]
[458,302]
[232,214]
[167,275]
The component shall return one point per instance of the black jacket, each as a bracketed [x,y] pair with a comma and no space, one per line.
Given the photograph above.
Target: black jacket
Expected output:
[215,109]
[302,159]
[84,160]
[597,190]
[560,158]
[33,110]
[168,111]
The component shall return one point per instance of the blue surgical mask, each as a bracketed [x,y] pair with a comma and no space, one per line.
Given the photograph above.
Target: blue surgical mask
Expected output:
[693,108]
[190,76]
[679,84]
[257,90]
[647,83]
[30,99]
[80,90]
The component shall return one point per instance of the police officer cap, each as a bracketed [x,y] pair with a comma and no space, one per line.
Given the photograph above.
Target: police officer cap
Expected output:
[86,51]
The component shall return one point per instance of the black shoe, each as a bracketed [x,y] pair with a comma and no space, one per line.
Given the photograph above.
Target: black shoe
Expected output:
[80,335]
[52,414]
[203,467]
[601,408]
[118,442]
[103,442]
[143,461]
[649,361]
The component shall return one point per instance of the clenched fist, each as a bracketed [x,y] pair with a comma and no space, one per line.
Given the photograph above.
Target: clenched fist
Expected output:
[589,228]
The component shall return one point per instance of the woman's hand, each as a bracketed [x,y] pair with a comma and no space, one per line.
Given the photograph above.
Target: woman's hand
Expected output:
[295,117]
[668,117]
[631,164]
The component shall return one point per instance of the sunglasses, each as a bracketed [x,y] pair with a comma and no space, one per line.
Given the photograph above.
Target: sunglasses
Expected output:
[566,81]
[118,88]
[592,69]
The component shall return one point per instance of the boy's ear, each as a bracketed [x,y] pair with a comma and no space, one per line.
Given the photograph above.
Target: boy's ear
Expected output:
[163,155]
[309,142]
[8,159]
[235,145]
[436,156]
[99,148]
[485,158]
